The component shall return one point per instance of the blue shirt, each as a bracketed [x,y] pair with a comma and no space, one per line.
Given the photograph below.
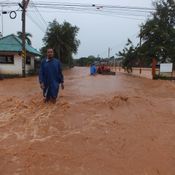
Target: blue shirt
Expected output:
[93,70]
[51,76]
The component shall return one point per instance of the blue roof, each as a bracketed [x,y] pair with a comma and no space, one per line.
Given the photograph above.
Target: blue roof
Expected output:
[13,43]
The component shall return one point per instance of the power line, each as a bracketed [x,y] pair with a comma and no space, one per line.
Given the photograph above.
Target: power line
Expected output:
[127,12]
[41,17]
[56,4]
[92,5]
[36,23]
[85,7]
[99,12]
[106,13]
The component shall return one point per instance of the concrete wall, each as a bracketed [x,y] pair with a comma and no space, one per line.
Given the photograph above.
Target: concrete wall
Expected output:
[16,68]
[12,69]
[30,67]
[166,74]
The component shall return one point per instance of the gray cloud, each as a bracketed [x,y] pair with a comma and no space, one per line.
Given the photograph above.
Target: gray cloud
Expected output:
[97,32]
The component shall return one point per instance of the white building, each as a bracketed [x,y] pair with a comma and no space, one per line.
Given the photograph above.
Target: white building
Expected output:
[11,59]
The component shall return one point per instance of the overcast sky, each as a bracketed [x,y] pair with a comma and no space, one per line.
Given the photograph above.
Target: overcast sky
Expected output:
[97,32]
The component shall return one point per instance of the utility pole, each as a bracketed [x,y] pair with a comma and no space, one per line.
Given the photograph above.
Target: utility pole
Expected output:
[2,20]
[109,50]
[24,7]
[140,55]
[115,64]
[154,62]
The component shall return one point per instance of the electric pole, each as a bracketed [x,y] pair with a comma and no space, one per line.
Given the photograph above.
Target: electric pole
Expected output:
[24,7]
[140,47]
[109,50]
[2,21]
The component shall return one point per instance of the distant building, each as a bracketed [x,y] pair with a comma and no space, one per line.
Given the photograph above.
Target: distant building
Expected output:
[11,59]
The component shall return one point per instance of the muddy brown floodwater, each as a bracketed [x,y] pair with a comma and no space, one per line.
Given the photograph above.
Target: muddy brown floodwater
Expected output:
[102,125]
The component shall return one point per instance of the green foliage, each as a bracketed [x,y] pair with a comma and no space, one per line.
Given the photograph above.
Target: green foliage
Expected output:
[28,36]
[158,36]
[129,55]
[158,33]
[62,38]
[86,61]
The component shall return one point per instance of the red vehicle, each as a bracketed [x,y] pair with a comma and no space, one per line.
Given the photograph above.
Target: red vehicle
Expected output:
[102,69]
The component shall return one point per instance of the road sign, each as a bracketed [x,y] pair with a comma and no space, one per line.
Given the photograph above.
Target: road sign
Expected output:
[166,68]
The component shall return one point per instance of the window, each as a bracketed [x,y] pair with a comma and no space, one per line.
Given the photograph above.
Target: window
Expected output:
[6,59]
[28,60]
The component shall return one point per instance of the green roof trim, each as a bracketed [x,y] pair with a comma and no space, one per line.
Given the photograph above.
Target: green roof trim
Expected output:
[12,43]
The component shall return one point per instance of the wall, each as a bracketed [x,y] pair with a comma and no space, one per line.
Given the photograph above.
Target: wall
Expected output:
[12,69]
[146,72]
[16,68]
[30,67]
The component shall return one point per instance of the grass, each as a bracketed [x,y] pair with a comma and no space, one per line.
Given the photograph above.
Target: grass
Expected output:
[160,77]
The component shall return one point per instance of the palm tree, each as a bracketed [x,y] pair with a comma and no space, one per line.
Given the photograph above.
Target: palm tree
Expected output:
[28,36]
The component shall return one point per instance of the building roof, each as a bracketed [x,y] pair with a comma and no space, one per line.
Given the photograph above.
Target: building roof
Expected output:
[12,43]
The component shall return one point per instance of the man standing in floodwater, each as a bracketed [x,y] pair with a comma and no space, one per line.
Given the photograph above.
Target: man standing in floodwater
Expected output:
[50,77]
[93,70]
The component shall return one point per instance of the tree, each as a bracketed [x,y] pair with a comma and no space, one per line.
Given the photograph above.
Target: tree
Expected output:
[158,33]
[129,56]
[86,61]
[63,39]
[158,37]
[28,36]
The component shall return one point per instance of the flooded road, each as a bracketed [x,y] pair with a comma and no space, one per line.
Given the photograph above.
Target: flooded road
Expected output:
[102,125]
